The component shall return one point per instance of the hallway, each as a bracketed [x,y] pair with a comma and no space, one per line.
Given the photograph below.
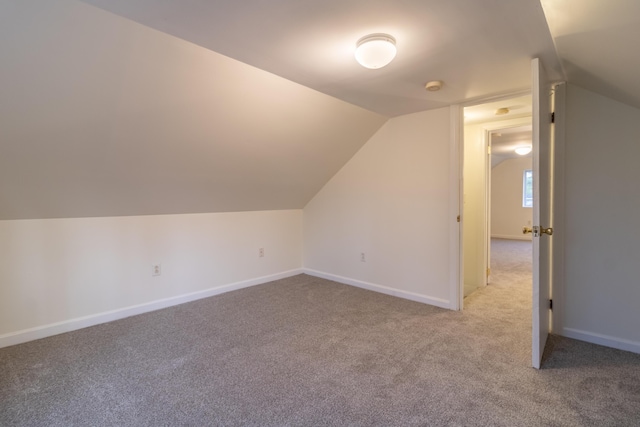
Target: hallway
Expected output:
[507,299]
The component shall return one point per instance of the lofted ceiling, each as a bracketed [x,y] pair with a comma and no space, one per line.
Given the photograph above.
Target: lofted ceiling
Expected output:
[478,48]
[131,107]
[596,42]
[101,116]
[505,141]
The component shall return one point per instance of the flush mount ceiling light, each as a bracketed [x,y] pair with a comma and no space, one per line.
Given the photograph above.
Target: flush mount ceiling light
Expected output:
[502,111]
[375,50]
[523,150]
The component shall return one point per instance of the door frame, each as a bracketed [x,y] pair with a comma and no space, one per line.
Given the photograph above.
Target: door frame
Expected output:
[558,198]
[558,191]
[488,129]
[488,178]
[456,186]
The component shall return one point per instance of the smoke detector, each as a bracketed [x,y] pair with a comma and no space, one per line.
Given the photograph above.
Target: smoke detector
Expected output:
[433,86]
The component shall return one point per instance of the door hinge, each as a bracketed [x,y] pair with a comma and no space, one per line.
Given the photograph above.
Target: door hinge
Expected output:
[550,304]
[488,272]
[458,219]
[489,149]
[553,117]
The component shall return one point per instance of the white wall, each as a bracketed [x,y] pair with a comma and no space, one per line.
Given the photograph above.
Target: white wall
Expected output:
[507,214]
[602,206]
[391,202]
[62,274]
[474,221]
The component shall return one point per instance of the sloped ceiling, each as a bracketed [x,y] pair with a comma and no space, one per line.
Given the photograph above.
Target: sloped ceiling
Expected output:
[505,141]
[130,107]
[597,43]
[101,116]
[477,47]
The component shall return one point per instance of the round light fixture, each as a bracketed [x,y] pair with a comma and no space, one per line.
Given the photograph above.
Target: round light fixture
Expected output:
[523,150]
[502,111]
[375,50]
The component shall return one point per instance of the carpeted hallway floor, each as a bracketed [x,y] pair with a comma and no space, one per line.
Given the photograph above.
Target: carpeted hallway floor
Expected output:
[306,351]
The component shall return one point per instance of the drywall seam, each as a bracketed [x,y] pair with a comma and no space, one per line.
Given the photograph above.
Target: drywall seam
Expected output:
[44,331]
[600,339]
[425,299]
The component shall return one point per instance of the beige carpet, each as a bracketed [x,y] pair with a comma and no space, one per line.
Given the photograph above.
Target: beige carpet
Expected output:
[507,299]
[305,351]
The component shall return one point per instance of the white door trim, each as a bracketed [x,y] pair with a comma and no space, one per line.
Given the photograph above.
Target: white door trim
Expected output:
[558,220]
[455,208]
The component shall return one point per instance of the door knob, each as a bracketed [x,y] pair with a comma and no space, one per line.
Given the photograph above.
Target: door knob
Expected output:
[537,231]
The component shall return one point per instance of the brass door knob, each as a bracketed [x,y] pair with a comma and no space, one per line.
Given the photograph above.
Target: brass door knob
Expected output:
[526,230]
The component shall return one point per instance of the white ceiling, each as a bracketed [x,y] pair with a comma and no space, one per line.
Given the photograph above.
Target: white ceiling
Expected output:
[505,141]
[149,107]
[101,116]
[519,106]
[597,43]
[478,48]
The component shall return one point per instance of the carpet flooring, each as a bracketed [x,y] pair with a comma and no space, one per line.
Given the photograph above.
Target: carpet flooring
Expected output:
[307,351]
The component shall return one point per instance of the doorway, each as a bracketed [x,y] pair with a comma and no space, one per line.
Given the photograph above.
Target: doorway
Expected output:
[547,117]
[494,195]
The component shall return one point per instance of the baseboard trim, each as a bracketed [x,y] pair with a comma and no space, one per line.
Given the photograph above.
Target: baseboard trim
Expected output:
[600,339]
[39,332]
[510,237]
[438,302]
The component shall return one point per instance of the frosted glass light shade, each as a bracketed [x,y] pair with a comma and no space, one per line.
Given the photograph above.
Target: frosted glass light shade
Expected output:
[375,50]
[523,150]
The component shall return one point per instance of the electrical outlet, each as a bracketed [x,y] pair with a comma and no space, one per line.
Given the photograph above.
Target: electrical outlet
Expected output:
[362,257]
[156,270]
[261,252]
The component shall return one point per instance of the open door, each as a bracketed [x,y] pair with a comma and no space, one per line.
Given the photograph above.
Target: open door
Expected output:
[542,208]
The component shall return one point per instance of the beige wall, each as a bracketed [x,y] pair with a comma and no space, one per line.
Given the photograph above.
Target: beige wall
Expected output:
[61,274]
[507,214]
[391,202]
[602,207]
[474,216]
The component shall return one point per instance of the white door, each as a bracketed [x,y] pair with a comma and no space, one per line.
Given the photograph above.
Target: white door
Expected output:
[542,209]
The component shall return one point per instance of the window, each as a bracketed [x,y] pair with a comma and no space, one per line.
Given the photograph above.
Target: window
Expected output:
[527,189]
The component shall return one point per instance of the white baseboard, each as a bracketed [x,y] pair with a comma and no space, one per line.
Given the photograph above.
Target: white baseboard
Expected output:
[511,237]
[600,339]
[31,334]
[438,302]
